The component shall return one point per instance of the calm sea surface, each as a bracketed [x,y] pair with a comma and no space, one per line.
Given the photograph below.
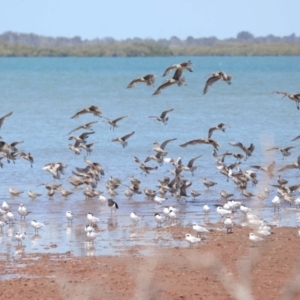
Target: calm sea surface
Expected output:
[43,93]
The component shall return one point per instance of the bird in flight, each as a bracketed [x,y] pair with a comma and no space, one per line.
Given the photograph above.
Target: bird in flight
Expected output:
[214,78]
[202,141]
[84,126]
[294,97]
[113,123]
[123,139]
[148,79]
[181,67]
[95,110]
[162,117]
[180,81]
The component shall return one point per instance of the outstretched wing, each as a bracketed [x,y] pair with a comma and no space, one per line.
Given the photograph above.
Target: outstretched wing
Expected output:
[164,113]
[168,70]
[163,145]
[125,137]
[4,117]
[193,142]
[190,164]
[210,81]
[133,82]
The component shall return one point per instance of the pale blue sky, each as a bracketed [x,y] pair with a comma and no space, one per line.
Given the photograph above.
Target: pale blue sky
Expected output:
[122,19]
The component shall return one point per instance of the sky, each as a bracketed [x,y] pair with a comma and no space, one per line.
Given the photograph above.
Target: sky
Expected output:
[121,19]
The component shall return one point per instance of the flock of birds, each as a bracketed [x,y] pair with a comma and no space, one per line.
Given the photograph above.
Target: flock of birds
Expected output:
[175,187]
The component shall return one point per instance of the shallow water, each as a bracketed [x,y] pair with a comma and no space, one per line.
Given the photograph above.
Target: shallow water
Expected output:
[44,93]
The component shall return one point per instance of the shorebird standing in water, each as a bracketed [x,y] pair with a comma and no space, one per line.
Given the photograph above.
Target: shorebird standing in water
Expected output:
[214,78]
[123,139]
[294,97]
[162,117]
[148,79]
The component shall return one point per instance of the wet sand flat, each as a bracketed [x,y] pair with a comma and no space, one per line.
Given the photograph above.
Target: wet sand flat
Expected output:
[221,266]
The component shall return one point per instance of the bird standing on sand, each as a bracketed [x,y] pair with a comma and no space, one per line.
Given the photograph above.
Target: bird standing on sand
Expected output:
[192,239]
[112,205]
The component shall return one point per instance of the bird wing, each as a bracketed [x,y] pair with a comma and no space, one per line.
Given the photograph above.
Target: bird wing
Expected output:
[210,81]
[164,113]
[133,82]
[164,85]
[288,148]
[119,119]
[77,128]
[281,93]
[81,112]
[84,135]
[236,144]
[256,167]
[177,74]
[210,131]
[168,70]
[273,148]
[271,167]
[190,163]
[296,138]
[193,142]
[4,117]
[125,137]
[287,167]
[163,145]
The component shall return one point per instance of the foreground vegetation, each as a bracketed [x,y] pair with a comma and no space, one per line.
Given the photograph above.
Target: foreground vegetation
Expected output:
[150,49]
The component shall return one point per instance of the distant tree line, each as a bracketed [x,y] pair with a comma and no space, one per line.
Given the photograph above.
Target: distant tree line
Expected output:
[245,44]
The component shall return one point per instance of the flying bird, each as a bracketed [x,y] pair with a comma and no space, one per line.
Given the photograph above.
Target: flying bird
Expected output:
[182,66]
[148,79]
[214,78]
[95,110]
[123,139]
[268,169]
[220,126]
[284,151]
[84,126]
[202,141]
[162,117]
[171,81]
[248,151]
[113,123]
[294,97]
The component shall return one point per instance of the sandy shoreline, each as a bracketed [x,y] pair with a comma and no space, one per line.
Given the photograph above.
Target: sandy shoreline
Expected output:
[214,269]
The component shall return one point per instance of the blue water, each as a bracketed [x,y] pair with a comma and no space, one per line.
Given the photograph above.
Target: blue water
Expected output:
[43,93]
